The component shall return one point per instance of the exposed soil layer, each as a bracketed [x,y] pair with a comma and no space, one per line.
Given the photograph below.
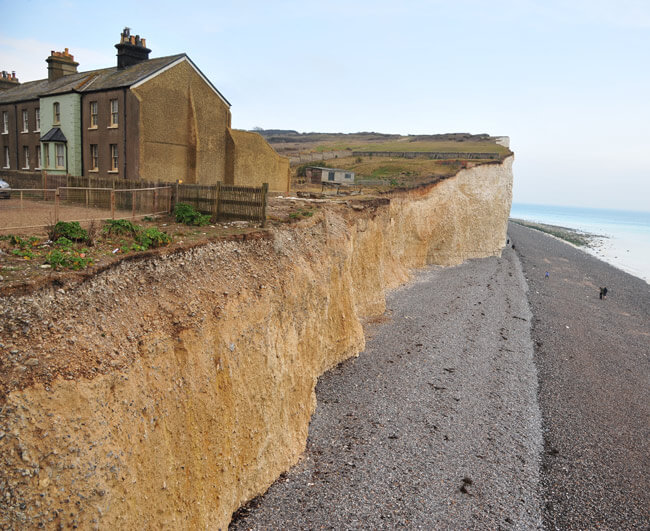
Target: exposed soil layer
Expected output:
[593,362]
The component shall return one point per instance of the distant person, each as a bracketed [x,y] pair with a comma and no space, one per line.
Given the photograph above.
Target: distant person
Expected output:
[513,246]
[601,294]
[508,242]
[604,293]
[547,275]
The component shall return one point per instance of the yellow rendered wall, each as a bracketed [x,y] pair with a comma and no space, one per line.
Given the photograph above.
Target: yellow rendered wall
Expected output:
[183,128]
[253,161]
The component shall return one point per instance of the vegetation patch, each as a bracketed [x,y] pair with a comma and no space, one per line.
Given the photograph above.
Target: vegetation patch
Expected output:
[576,237]
[188,215]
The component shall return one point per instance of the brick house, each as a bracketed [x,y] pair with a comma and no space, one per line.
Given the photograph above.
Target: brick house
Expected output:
[156,119]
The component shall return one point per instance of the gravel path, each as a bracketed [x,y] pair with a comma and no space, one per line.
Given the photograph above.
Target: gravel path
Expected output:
[593,362]
[435,425]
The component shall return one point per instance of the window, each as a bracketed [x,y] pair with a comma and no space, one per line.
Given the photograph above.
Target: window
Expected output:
[46,153]
[38,122]
[93,114]
[56,113]
[25,121]
[113,113]
[6,157]
[5,123]
[330,176]
[348,176]
[25,158]
[113,157]
[38,158]
[93,157]
[60,158]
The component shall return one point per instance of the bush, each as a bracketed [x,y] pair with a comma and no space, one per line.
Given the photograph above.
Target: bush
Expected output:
[71,230]
[120,226]
[188,215]
[152,237]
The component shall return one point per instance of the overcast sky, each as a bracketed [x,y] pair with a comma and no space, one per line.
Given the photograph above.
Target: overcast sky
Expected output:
[568,81]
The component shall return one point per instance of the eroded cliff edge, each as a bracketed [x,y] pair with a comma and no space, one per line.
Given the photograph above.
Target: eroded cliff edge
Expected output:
[199,368]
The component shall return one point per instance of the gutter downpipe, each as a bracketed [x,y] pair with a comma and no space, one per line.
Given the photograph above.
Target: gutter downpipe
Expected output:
[124,134]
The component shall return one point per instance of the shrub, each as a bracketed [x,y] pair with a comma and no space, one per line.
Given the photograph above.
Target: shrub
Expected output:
[152,237]
[71,230]
[188,215]
[119,227]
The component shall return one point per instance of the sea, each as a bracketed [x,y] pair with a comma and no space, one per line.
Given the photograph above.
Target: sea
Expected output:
[623,236]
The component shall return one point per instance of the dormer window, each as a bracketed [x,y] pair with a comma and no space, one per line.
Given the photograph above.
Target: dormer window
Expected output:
[56,113]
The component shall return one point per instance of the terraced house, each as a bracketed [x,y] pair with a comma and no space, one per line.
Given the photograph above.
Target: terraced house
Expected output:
[158,119]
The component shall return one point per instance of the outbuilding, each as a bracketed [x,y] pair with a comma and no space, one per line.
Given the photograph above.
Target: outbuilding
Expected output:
[317,174]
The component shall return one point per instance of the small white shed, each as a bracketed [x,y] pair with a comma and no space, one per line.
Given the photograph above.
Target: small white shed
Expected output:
[317,174]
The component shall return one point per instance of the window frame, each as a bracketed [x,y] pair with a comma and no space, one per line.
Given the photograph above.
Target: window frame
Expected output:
[25,115]
[114,113]
[94,157]
[26,157]
[37,116]
[93,115]
[38,158]
[56,113]
[46,151]
[58,145]
[5,122]
[7,161]
[115,161]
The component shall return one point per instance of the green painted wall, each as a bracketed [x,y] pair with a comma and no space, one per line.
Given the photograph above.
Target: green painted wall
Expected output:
[70,105]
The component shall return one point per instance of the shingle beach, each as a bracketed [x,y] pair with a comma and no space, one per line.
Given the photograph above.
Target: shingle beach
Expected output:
[441,423]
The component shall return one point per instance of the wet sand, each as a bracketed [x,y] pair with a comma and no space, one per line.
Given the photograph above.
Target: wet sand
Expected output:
[593,362]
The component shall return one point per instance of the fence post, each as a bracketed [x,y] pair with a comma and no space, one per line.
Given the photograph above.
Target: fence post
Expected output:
[218,200]
[113,204]
[155,200]
[265,189]
[21,200]
[57,196]
[44,186]
[133,204]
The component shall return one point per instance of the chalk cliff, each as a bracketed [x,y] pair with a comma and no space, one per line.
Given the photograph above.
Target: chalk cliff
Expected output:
[192,377]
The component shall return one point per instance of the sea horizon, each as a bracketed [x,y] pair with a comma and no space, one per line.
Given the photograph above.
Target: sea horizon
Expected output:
[622,237]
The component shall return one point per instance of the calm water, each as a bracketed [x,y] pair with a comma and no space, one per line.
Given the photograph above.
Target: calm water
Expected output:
[626,242]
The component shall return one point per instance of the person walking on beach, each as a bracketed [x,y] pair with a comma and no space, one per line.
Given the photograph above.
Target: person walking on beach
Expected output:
[604,293]
[547,275]
[601,294]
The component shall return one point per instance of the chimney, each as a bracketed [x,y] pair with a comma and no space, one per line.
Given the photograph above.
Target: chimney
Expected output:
[8,80]
[60,64]
[131,49]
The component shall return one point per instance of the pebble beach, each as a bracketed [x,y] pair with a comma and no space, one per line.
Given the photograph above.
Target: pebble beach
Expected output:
[491,396]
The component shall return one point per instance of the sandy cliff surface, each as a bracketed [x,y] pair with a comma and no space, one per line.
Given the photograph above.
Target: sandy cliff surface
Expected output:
[188,381]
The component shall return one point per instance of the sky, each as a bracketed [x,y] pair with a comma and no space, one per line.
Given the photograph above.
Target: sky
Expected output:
[568,81]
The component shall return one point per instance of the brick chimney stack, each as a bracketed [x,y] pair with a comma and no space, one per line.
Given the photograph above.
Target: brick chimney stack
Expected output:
[60,64]
[8,80]
[131,49]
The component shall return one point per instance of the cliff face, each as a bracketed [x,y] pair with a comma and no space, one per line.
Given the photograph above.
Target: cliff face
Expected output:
[199,368]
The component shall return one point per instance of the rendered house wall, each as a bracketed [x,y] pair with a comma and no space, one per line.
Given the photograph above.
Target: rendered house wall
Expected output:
[183,127]
[70,125]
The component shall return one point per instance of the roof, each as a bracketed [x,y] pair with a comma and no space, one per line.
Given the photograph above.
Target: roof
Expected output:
[97,80]
[329,169]
[54,135]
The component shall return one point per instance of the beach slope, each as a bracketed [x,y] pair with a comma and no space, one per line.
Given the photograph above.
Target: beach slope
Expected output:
[592,357]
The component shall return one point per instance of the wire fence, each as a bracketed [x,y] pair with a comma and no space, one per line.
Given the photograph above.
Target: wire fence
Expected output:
[39,208]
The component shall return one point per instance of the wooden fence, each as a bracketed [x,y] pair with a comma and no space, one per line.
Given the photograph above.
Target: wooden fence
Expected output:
[223,202]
